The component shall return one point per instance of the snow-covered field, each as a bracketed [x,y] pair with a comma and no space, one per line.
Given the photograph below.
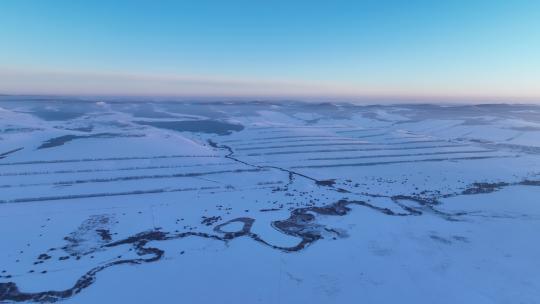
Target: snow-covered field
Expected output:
[169,202]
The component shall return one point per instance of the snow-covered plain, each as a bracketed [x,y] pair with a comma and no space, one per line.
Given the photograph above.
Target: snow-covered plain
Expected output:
[169,202]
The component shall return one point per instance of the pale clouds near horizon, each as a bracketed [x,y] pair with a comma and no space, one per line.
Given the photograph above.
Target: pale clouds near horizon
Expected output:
[64,82]
[18,81]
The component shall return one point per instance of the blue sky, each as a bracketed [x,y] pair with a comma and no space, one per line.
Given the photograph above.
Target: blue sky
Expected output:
[395,49]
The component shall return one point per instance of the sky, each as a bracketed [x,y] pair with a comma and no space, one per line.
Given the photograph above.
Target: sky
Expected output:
[410,50]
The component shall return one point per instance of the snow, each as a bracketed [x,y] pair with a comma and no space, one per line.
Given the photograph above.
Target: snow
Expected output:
[316,203]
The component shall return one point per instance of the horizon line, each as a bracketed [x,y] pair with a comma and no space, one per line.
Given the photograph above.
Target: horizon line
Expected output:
[364,100]
[47,82]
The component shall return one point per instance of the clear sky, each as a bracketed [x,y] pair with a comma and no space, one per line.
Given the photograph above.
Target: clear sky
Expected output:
[448,49]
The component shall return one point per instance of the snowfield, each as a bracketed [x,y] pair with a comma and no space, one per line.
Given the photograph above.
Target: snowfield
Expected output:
[257,202]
